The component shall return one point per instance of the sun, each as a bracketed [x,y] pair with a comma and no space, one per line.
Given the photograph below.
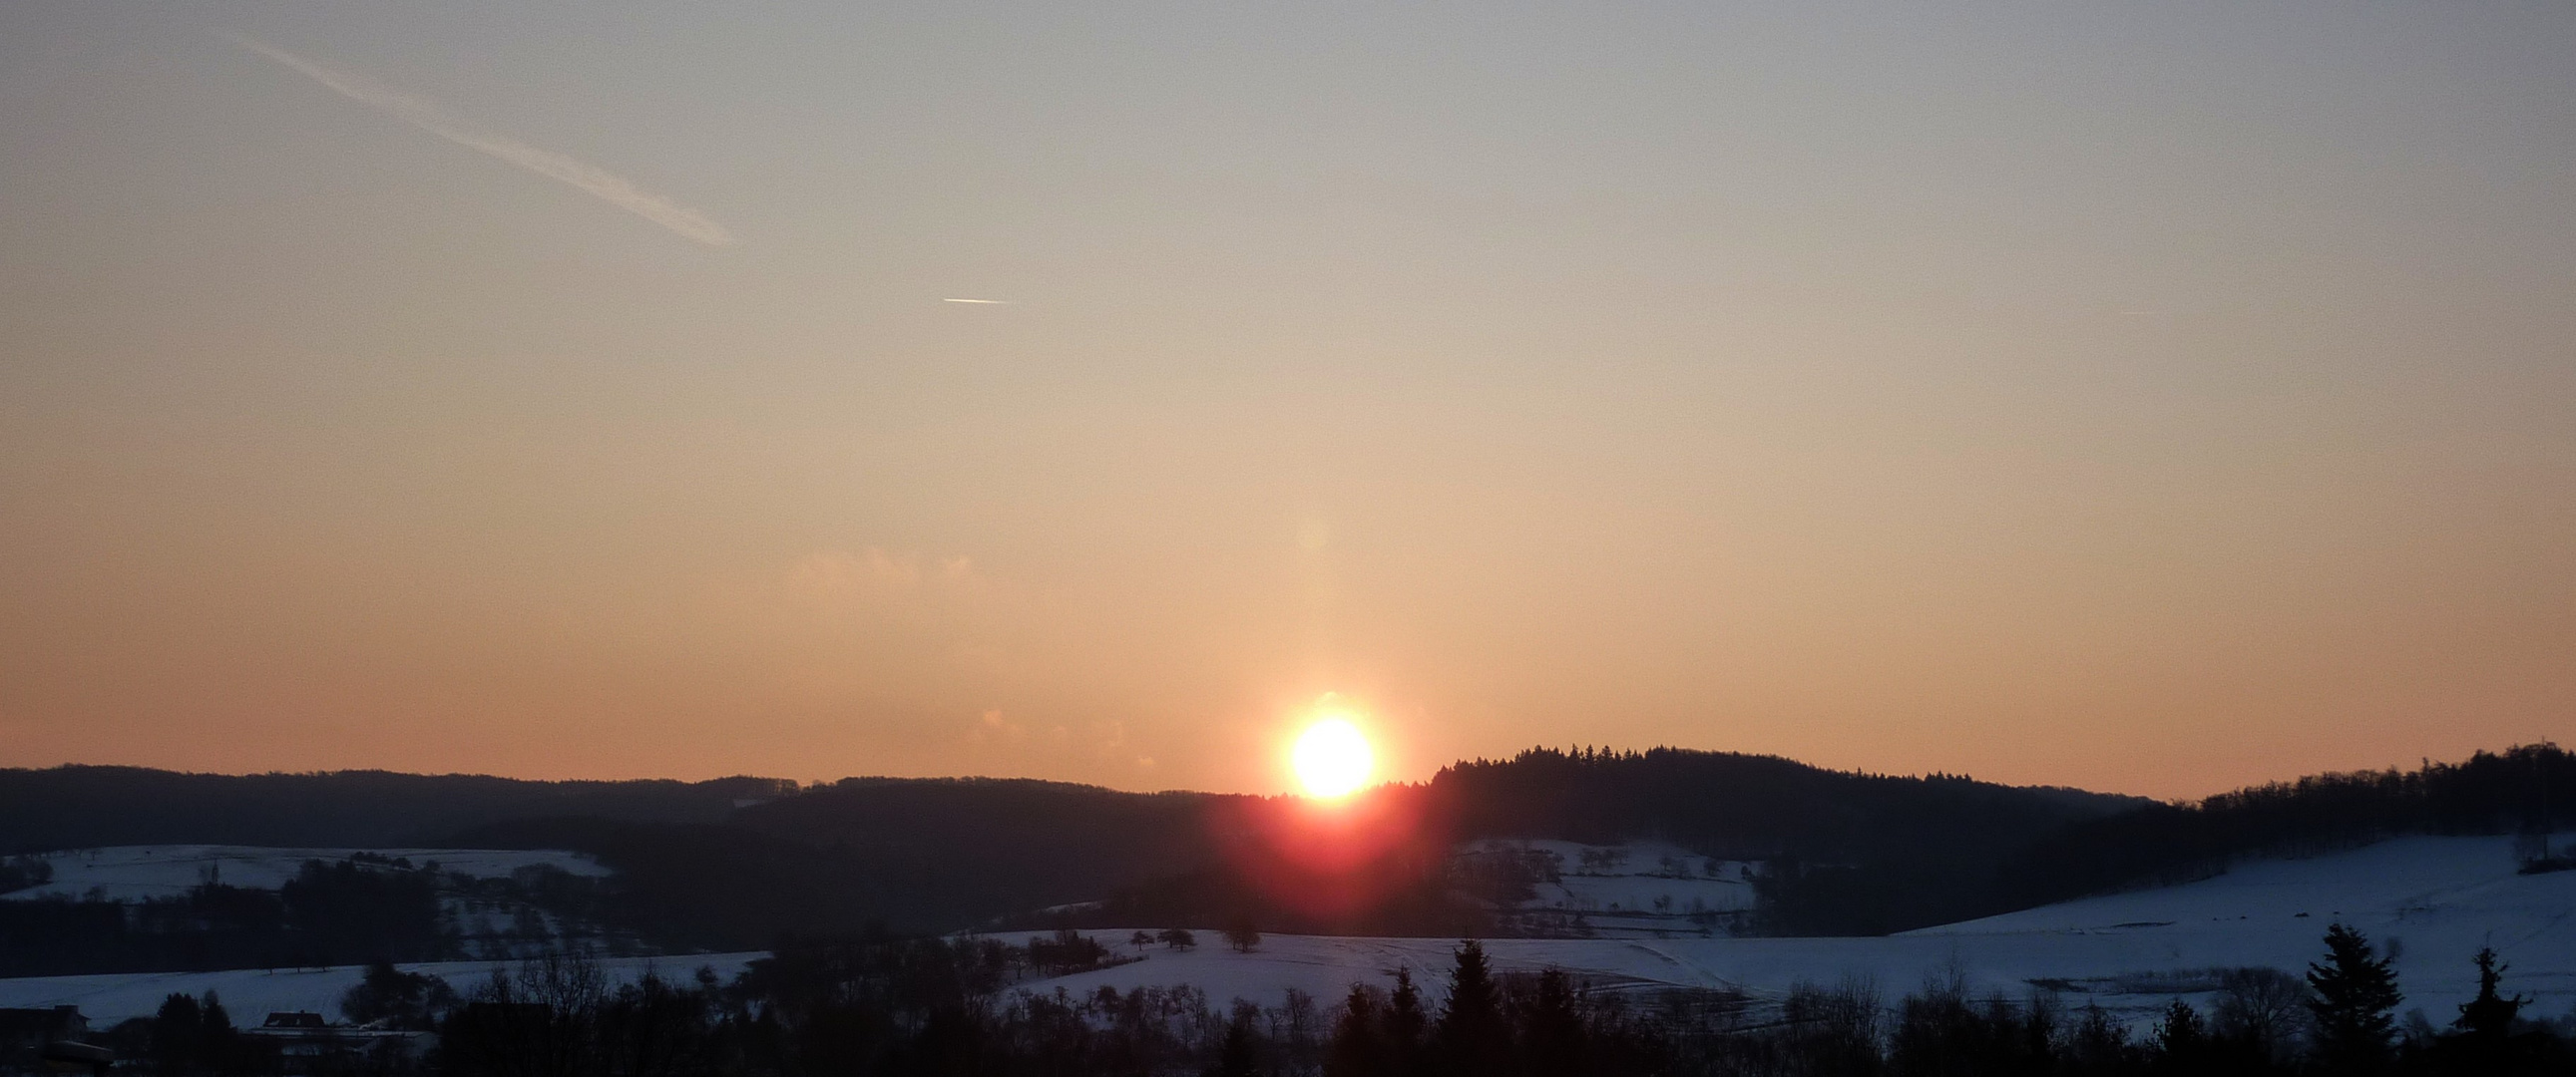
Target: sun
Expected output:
[1332,759]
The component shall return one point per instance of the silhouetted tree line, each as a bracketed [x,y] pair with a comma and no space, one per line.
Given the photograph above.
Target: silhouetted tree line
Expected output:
[328,914]
[21,872]
[940,855]
[195,1037]
[1848,853]
[84,807]
[1844,853]
[914,855]
[1410,896]
[727,887]
[2526,789]
[1747,807]
[882,1005]
[363,908]
[1067,951]
[393,999]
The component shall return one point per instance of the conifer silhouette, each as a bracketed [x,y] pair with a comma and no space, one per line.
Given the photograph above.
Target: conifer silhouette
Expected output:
[2356,998]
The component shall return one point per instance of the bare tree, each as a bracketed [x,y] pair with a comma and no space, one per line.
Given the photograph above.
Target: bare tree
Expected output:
[2264,1007]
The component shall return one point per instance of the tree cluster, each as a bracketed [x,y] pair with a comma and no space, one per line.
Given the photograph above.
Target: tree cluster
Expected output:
[330,913]
[882,1005]
[896,1006]
[2529,789]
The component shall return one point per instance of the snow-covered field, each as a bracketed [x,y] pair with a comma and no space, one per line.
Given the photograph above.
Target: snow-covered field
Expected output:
[252,994]
[1637,889]
[2438,899]
[133,872]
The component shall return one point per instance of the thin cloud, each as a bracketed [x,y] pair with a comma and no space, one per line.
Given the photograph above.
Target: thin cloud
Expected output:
[427,116]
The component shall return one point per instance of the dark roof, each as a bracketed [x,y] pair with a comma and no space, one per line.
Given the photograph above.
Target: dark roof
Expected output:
[44,1020]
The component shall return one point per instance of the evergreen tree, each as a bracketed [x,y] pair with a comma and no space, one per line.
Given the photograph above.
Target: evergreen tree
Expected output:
[2181,1039]
[2097,1043]
[2356,996]
[178,1036]
[1551,1026]
[1236,1058]
[2489,1017]
[211,1013]
[1404,1027]
[1473,1036]
[1359,1044]
[2039,1032]
[193,1036]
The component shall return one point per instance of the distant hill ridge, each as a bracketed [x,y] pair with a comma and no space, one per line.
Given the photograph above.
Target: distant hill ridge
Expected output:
[2529,789]
[72,807]
[735,862]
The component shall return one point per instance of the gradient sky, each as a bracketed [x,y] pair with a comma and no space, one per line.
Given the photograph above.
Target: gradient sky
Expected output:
[2153,397]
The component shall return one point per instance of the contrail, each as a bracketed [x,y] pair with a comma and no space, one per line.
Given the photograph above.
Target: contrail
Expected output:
[993,302]
[427,116]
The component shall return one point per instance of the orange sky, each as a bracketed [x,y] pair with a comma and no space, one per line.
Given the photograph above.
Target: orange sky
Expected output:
[2154,401]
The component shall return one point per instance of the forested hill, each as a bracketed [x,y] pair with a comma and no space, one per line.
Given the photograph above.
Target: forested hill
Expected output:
[82,807]
[737,862]
[1099,837]
[906,854]
[1751,807]
[1850,853]
[2531,789]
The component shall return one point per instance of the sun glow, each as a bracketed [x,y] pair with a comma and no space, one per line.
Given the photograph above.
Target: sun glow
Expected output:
[1332,759]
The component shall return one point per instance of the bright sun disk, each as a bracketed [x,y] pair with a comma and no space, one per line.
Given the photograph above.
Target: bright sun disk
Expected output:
[1332,758]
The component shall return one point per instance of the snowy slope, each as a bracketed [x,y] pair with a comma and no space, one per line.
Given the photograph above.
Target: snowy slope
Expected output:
[252,994]
[2402,879]
[2439,898]
[2436,899]
[1638,889]
[131,872]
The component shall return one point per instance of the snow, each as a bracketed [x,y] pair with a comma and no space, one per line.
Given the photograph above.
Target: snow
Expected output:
[252,994]
[2438,898]
[2402,879]
[1642,889]
[134,872]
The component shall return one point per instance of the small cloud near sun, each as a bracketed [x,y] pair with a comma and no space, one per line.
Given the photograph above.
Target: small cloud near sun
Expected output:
[994,727]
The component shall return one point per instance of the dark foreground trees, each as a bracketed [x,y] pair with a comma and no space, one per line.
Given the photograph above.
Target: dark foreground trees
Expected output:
[2355,1005]
[194,1037]
[952,1006]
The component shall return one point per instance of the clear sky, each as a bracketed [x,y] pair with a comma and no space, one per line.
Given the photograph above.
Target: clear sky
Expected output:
[2153,397]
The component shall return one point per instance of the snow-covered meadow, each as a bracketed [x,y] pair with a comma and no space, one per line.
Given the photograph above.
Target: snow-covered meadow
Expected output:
[2436,900]
[252,994]
[1641,889]
[135,872]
